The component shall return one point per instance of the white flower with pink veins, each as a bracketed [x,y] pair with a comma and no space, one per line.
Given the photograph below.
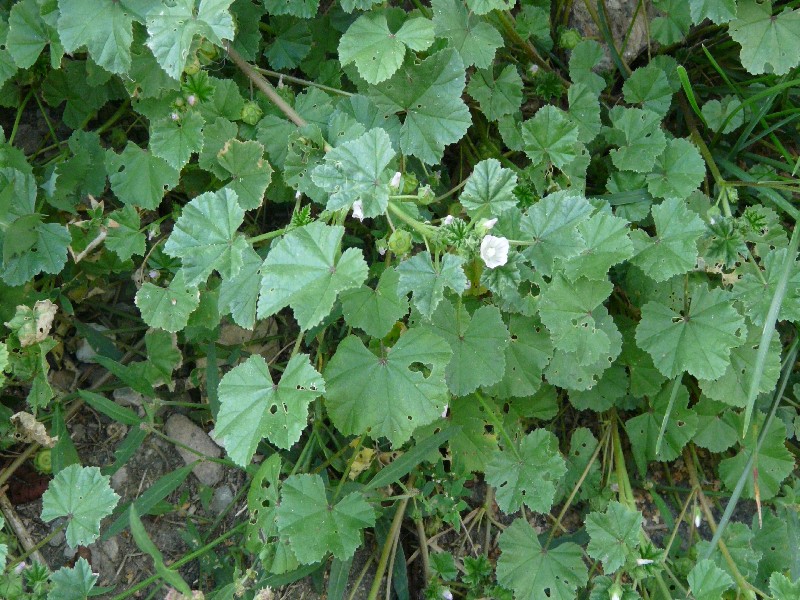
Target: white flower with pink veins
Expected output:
[494,251]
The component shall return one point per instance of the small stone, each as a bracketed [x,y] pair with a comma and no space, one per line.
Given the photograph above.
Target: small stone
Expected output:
[119,480]
[127,397]
[223,496]
[57,539]
[111,549]
[181,429]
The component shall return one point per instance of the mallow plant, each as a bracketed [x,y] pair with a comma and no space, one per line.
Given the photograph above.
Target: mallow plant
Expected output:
[534,296]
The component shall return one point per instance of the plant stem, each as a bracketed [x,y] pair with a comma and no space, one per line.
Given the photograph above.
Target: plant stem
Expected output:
[305,82]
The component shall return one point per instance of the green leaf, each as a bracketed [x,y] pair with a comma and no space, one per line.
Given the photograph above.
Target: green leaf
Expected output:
[252,407]
[377,51]
[649,87]
[173,27]
[613,535]
[535,573]
[216,136]
[639,136]
[73,583]
[375,311]
[552,225]
[584,109]
[527,354]
[47,253]
[773,464]
[582,446]
[733,387]
[474,38]
[103,26]
[175,140]
[707,581]
[715,432]
[205,237]
[388,395]
[314,525]
[168,308]
[782,588]
[357,170]
[584,58]
[719,11]
[427,281]
[238,295]
[28,34]
[138,177]
[611,388]
[738,538]
[527,474]
[644,429]
[484,7]
[291,44]
[766,39]
[678,171]
[672,26]
[756,295]
[499,96]
[478,343]
[305,271]
[716,112]
[304,9]
[472,447]
[489,190]
[698,341]
[673,250]
[250,174]
[428,93]
[262,500]
[124,237]
[566,310]
[550,136]
[82,495]
[605,244]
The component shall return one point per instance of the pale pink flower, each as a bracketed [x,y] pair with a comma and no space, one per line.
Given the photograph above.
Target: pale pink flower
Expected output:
[358,210]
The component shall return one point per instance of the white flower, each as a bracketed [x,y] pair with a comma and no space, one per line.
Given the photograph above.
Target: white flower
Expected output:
[358,210]
[447,594]
[644,561]
[533,69]
[488,224]
[395,182]
[494,251]
[174,116]
[448,219]
[20,567]
[191,99]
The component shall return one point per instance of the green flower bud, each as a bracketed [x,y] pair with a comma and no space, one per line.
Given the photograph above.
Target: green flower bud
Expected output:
[400,242]
[251,113]
[569,38]
[43,462]
[410,183]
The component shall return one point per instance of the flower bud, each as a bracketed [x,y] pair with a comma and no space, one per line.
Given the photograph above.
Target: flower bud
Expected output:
[358,210]
[400,242]
[251,113]
[395,182]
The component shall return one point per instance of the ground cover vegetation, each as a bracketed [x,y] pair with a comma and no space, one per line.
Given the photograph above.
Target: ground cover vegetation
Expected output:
[533,293]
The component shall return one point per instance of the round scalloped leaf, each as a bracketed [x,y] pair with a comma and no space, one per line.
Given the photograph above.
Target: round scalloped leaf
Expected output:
[527,354]
[138,177]
[718,11]
[649,87]
[205,236]
[252,407]
[305,271]
[527,474]
[172,29]
[489,190]
[551,136]
[639,136]
[388,395]
[357,170]
[47,251]
[678,171]
[375,311]
[250,174]
[497,96]
[377,51]
[238,295]
[168,308]
[707,581]
[475,39]
[698,341]
[613,535]
[175,140]
[478,342]
[768,41]
[82,495]
[72,583]
[427,281]
[105,28]
[535,573]
[315,526]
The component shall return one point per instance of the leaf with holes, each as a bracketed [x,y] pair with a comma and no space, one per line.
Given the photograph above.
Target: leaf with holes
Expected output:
[534,572]
[478,342]
[527,354]
[168,308]
[427,281]
[388,395]
[527,474]
[138,177]
[82,495]
[306,271]
[253,407]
